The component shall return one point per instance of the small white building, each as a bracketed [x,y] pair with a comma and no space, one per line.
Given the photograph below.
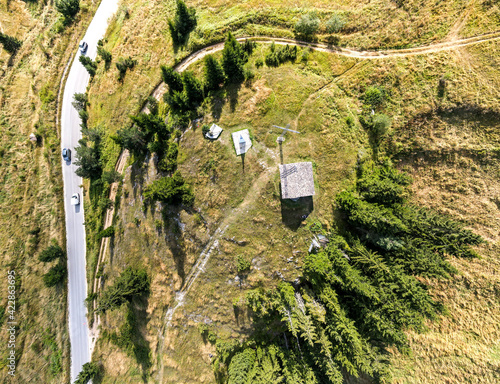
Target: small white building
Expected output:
[242,142]
[214,132]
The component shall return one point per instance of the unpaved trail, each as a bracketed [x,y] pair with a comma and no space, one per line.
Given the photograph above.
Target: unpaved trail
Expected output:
[199,266]
[354,53]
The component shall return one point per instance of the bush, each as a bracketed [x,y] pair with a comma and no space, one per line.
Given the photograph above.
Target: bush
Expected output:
[123,64]
[80,101]
[105,55]
[308,24]
[243,265]
[380,125]
[259,63]
[53,252]
[55,275]
[205,129]
[68,8]
[280,55]
[108,232]
[374,95]
[335,24]
[169,190]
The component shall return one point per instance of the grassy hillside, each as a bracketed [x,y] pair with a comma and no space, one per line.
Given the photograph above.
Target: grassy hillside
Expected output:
[444,131]
[32,214]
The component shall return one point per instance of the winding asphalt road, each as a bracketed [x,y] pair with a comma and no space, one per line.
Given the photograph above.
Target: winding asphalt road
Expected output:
[77,81]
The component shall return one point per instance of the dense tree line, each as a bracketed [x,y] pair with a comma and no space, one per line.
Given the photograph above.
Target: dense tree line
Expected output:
[356,297]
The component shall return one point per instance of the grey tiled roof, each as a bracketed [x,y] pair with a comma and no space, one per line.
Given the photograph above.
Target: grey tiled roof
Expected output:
[296,180]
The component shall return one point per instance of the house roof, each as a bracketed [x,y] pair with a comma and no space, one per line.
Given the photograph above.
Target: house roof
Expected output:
[296,180]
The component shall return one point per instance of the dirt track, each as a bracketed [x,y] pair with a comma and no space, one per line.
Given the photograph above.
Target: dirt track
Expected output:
[382,54]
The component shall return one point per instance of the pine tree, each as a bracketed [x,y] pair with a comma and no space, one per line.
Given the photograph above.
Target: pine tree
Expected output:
[214,74]
[233,59]
[182,25]
[10,44]
[173,79]
[192,88]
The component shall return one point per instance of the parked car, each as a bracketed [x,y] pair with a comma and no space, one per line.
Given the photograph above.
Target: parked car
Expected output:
[83,46]
[75,199]
[66,154]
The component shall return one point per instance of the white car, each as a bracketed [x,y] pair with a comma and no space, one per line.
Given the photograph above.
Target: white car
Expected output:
[75,199]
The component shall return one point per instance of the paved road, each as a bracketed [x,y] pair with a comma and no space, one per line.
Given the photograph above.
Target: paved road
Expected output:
[75,231]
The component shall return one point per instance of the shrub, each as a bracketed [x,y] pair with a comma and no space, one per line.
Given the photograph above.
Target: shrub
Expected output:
[105,55]
[379,126]
[123,64]
[259,63]
[55,275]
[205,129]
[335,24]
[68,8]
[50,253]
[108,232]
[243,265]
[249,74]
[374,95]
[170,190]
[280,55]
[308,24]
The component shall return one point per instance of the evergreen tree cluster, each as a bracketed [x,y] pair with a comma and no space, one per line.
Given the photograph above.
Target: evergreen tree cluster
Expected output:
[150,132]
[131,283]
[56,273]
[88,154]
[183,23]
[10,44]
[356,297]
[169,190]
[280,55]
[186,92]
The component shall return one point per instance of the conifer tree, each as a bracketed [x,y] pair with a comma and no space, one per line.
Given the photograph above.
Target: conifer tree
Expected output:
[10,44]
[192,88]
[172,78]
[233,59]
[184,22]
[214,74]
